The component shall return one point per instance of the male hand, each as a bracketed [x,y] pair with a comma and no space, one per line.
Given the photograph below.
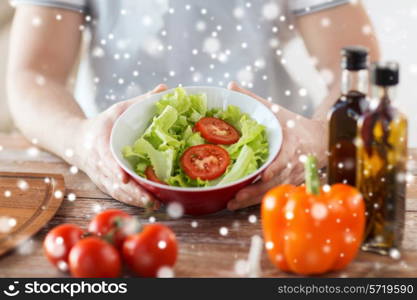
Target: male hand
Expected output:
[95,159]
[301,136]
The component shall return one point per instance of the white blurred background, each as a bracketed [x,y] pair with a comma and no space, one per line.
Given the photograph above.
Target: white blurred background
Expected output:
[395,23]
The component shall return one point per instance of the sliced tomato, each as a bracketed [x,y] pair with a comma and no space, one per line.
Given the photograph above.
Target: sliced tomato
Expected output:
[217,131]
[150,175]
[206,162]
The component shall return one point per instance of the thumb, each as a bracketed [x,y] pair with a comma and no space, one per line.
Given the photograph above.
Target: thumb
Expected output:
[237,88]
[158,89]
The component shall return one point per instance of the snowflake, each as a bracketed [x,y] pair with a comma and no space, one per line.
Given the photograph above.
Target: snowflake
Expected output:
[58,194]
[36,21]
[71,197]
[252,219]
[26,248]
[23,185]
[395,253]
[162,245]
[239,12]
[327,76]
[200,26]
[367,29]
[211,45]
[73,170]
[62,266]
[147,21]
[325,22]
[290,124]
[6,224]
[319,211]
[223,231]
[245,76]
[302,92]
[175,210]
[241,267]
[40,80]
[260,63]
[165,272]
[270,11]
[33,151]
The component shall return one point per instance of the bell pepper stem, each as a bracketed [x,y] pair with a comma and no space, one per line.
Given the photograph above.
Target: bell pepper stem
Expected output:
[311,175]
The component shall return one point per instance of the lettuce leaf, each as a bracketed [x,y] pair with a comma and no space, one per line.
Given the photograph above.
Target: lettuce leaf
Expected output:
[161,161]
[245,164]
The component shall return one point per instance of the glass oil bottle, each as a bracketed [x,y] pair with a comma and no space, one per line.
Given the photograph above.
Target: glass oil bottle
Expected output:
[344,115]
[382,154]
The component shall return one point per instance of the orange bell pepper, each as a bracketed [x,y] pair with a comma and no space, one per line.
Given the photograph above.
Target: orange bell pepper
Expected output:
[308,230]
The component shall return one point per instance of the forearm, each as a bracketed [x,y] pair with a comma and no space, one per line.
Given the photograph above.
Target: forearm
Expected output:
[331,97]
[43,109]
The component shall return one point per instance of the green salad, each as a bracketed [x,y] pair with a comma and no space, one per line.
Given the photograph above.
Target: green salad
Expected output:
[188,145]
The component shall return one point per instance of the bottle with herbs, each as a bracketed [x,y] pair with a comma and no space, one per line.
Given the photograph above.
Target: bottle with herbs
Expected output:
[381,161]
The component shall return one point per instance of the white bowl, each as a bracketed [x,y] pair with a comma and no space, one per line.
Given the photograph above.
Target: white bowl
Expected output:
[134,121]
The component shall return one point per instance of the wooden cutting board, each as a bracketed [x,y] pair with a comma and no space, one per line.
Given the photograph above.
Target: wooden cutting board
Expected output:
[27,202]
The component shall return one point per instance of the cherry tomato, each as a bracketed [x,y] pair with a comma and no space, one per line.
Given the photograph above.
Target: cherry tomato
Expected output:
[110,223]
[146,252]
[150,175]
[59,241]
[94,258]
[206,162]
[217,131]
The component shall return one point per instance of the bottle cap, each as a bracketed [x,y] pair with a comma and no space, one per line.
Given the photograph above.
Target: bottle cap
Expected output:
[385,74]
[355,58]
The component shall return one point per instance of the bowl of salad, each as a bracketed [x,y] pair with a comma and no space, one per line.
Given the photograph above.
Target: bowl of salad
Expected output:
[196,146]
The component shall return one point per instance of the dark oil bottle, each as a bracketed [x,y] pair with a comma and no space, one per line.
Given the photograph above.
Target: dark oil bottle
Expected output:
[344,115]
[382,154]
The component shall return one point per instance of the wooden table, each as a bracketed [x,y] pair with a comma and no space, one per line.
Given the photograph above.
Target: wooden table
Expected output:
[203,251]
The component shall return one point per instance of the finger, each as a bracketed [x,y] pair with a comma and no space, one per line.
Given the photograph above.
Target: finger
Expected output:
[124,176]
[275,168]
[235,87]
[159,88]
[125,104]
[256,189]
[134,195]
[234,204]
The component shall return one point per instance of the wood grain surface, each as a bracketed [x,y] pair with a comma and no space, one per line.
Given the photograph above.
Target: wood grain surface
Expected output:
[203,251]
[29,202]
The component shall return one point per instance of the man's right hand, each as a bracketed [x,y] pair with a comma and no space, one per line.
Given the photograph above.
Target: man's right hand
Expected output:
[94,157]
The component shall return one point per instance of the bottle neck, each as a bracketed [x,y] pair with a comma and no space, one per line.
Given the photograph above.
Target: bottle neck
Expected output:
[382,95]
[354,81]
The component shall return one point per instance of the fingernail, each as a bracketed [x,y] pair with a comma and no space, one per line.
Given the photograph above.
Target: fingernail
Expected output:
[231,85]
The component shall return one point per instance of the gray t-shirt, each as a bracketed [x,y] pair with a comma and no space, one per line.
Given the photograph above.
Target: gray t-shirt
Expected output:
[135,45]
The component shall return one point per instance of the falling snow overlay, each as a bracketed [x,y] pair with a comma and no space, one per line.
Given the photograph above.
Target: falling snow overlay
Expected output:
[188,43]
